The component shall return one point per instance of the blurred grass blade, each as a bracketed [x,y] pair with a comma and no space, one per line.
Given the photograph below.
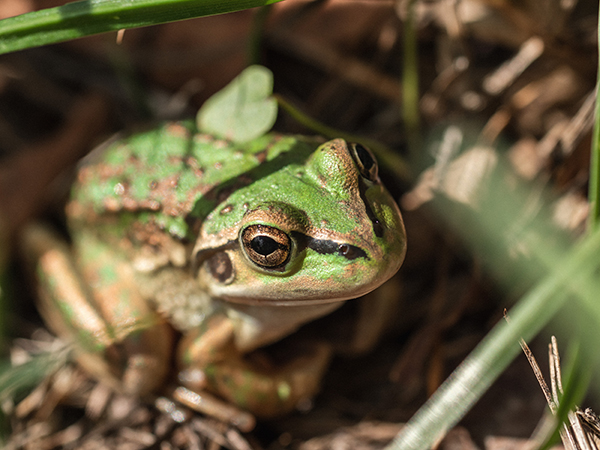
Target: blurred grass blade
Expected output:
[410,82]
[4,279]
[479,370]
[389,159]
[512,232]
[15,380]
[594,183]
[87,17]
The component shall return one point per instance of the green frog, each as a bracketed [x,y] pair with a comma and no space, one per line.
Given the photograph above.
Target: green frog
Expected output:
[189,253]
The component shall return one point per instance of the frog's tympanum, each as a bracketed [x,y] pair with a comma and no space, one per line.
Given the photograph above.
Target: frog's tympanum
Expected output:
[188,253]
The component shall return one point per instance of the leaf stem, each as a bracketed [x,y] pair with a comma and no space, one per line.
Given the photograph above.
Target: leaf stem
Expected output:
[387,156]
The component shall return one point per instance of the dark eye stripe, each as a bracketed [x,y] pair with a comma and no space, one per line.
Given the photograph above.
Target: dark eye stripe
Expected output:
[321,246]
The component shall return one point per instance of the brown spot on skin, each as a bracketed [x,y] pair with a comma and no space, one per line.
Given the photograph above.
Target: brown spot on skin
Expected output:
[226,210]
[149,234]
[83,175]
[154,205]
[203,138]
[193,164]
[178,130]
[164,196]
[111,204]
[130,204]
[261,157]
[106,171]
[173,160]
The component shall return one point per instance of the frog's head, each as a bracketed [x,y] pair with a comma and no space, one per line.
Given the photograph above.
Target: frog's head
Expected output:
[322,231]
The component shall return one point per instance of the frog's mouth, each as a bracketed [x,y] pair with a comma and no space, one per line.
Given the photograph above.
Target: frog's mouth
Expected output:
[294,302]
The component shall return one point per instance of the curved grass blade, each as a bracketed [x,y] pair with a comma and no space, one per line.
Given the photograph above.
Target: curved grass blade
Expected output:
[87,17]
[509,222]
[14,380]
[594,183]
[479,370]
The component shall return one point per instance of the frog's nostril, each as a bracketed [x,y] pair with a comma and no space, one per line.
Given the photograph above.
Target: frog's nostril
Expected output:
[365,160]
[377,228]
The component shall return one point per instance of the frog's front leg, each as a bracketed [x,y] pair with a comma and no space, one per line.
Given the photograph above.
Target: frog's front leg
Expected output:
[266,388]
[253,381]
[92,301]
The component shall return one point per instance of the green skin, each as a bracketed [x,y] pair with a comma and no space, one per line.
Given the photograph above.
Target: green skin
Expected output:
[232,246]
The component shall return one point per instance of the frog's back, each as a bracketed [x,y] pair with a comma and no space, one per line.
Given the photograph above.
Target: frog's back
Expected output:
[172,176]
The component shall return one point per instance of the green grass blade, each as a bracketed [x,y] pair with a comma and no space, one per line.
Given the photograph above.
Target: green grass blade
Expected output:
[410,83]
[514,237]
[594,185]
[479,370]
[87,17]
[16,380]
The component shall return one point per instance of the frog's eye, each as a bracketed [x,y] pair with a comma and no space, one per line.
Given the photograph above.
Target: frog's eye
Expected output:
[365,160]
[267,247]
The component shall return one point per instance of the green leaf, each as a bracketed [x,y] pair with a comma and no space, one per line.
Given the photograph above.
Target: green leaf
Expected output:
[243,110]
[87,17]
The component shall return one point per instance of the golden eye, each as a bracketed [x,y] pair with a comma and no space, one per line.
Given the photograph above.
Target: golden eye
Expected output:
[365,160]
[266,246]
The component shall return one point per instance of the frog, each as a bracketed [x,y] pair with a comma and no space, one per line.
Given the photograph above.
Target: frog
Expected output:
[188,254]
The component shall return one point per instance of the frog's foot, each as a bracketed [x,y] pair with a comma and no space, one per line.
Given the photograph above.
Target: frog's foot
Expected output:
[118,339]
[268,389]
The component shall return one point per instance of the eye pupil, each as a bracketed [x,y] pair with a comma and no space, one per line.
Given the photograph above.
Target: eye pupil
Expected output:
[264,245]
